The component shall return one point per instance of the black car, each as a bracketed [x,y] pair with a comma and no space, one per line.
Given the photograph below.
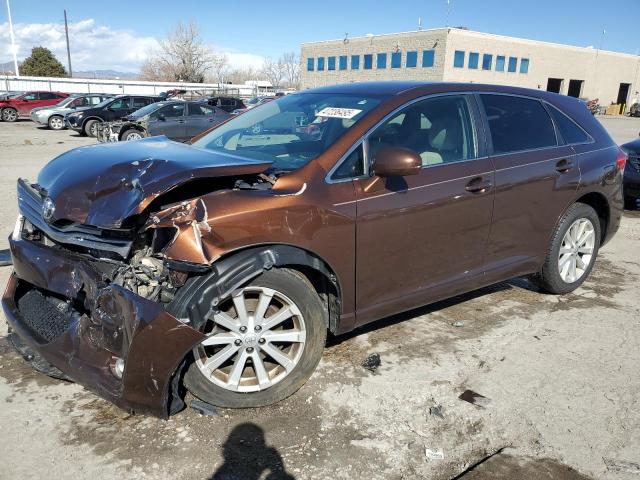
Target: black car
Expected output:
[632,174]
[228,104]
[86,121]
[176,119]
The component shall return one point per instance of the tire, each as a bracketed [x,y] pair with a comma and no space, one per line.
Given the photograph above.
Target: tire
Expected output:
[90,127]
[9,114]
[306,355]
[56,122]
[552,277]
[137,134]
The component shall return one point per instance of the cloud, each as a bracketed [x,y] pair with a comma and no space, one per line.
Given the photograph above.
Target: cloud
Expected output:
[96,47]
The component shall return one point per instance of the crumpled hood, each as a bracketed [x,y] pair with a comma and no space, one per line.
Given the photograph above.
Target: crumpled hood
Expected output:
[102,185]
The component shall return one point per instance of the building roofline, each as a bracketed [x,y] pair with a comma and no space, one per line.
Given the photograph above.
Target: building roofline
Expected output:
[487,35]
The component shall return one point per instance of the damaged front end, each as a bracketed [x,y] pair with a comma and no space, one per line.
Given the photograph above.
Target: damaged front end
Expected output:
[90,300]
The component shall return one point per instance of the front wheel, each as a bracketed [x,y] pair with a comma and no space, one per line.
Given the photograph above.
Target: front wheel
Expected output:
[263,343]
[9,114]
[56,122]
[132,134]
[572,251]
[91,128]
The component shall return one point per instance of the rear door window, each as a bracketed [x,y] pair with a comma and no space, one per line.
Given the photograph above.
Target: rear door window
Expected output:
[171,111]
[569,131]
[47,96]
[139,102]
[198,109]
[518,123]
[120,104]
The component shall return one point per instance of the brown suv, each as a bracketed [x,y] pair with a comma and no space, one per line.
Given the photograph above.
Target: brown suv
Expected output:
[142,266]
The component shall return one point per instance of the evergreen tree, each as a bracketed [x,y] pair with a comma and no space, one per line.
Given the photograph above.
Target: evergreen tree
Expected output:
[42,63]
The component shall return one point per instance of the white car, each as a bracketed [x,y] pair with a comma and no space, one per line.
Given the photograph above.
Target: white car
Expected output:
[53,116]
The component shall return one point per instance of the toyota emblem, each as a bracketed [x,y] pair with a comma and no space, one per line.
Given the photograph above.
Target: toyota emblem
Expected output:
[48,208]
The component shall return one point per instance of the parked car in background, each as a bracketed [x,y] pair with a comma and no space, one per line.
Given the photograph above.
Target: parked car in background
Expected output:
[252,103]
[223,264]
[228,104]
[632,174]
[20,106]
[178,120]
[53,116]
[86,121]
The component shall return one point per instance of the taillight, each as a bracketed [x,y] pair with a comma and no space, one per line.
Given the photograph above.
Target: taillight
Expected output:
[621,160]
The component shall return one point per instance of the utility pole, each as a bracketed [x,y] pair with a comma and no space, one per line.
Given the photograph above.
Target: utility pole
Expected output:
[14,48]
[66,32]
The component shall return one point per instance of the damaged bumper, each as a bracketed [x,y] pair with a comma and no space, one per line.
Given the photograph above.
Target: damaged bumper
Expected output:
[121,346]
[108,131]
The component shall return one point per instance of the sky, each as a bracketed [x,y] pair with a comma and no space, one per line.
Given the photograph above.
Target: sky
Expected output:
[118,35]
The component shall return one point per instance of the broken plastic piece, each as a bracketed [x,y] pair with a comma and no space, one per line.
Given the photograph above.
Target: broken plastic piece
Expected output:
[436,411]
[434,454]
[474,398]
[458,324]
[204,408]
[372,362]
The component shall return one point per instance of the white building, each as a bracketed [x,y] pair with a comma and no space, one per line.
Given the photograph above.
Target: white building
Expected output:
[459,55]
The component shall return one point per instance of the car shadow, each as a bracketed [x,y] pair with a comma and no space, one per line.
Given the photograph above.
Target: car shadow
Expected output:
[248,457]
[518,282]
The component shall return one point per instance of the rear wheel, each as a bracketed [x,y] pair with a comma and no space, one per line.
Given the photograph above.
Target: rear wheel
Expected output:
[9,114]
[572,251]
[91,128]
[263,343]
[56,122]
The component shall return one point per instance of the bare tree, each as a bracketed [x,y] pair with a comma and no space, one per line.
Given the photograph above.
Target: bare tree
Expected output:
[291,63]
[220,67]
[181,56]
[241,75]
[273,70]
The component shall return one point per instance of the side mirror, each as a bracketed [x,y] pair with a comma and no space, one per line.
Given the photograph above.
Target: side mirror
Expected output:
[396,162]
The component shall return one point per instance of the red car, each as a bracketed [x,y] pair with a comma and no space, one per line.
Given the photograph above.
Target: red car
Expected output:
[12,109]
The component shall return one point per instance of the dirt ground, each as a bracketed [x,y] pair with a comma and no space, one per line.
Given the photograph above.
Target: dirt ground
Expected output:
[560,377]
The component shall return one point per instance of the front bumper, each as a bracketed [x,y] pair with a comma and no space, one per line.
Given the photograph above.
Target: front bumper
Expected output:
[62,306]
[73,123]
[38,117]
[109,132]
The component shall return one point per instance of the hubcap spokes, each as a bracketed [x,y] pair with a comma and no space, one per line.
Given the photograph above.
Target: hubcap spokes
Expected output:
[255,340]
[576,250]
[56,123]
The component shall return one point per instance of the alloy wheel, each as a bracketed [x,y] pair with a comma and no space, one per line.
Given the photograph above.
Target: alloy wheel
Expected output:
[56,123]
[576,250]
[133,136]
[254,340]
[9,115]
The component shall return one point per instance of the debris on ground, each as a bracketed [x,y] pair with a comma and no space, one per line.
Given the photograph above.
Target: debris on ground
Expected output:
[204,408]
[372,362]
[436,411]
[458,324]
[474,398]
[5,258]
[434,454]
[621,465]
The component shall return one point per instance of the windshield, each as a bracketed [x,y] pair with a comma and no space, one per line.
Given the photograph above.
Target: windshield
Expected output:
[104,103]
[152,107]
[290,131]
[66,101]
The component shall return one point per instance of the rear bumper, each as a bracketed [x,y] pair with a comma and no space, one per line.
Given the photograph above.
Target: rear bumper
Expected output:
[59,304]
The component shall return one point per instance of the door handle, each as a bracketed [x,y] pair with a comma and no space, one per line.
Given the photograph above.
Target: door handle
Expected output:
[564,165]
[478,185]
[181,121]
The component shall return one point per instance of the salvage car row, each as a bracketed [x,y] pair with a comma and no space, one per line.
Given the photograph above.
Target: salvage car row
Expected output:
[122,117]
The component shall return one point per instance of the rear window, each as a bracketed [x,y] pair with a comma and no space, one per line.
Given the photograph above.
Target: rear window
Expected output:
[518,123]
[569,131]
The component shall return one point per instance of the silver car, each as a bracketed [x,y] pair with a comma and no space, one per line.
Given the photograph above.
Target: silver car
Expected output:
[53,116]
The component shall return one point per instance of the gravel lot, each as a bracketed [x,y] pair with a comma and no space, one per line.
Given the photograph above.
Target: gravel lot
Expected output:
[560,373]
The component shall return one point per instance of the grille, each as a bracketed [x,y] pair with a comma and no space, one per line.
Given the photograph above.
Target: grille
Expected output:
[43,316]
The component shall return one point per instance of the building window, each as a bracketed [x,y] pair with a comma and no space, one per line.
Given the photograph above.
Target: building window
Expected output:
[320,64]
[396,60]
[487,60]
[412,59]
[381,60]
[500,63]
[310,64]
[331,63]
[428,56]
[355,62]
[524,65]
[368,61]
[343,62]
[458,59]
[513,63]
[473,60]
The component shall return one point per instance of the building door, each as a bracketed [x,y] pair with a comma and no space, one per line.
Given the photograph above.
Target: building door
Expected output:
[554,85]
[623,93]
[575,88]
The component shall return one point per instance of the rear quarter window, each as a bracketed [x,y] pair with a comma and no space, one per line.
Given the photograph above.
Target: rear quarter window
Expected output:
[569,131]
[518,123]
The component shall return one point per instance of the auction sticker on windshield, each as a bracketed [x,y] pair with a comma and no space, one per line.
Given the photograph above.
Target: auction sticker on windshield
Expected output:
[337,112]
